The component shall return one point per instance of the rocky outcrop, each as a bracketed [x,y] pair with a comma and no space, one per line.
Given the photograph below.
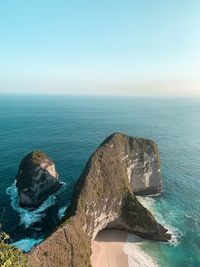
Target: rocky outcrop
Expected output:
[102,199]
[142,160]
[36,179]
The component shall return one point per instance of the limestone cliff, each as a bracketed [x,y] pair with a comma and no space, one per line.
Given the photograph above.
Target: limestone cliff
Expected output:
[102,198]
[36,179]
[142,159]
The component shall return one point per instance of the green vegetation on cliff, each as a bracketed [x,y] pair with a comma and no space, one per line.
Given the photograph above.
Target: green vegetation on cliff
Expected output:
[9,255]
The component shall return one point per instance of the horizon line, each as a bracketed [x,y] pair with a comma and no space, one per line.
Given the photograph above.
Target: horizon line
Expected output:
[98,95]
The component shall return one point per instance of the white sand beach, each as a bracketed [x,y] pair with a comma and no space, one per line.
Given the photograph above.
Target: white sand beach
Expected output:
[115,248]
[107,249]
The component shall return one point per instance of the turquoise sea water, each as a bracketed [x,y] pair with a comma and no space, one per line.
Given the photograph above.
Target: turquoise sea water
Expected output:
[69,129]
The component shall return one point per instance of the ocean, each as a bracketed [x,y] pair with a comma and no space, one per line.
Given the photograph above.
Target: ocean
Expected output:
[70,128]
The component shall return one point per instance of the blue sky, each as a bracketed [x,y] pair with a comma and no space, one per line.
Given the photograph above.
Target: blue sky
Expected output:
[130,47]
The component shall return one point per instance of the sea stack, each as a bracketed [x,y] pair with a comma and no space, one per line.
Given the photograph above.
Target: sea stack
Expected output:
[36,179]
[103,198]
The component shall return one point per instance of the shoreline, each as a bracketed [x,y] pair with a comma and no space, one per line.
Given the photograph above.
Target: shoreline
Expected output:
[116,248]
[107,249]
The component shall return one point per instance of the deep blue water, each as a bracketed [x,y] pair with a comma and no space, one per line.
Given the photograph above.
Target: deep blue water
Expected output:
[69,129]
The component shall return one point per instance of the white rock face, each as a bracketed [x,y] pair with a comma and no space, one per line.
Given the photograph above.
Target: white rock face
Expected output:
[143,166]
[102,222]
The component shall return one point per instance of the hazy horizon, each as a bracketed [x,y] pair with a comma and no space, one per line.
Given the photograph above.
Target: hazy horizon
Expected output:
[129,48]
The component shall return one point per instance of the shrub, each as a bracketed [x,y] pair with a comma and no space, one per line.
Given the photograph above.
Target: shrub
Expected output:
[9,255]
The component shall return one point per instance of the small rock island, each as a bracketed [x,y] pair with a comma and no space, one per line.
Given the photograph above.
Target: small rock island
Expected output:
[36,179]
[104,197]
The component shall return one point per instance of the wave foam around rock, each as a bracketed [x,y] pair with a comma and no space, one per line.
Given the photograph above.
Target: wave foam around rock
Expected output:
[150,204]
[27,244]
[29,217]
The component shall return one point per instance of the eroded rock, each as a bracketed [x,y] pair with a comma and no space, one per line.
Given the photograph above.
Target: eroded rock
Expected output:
[142,159]
[36,179]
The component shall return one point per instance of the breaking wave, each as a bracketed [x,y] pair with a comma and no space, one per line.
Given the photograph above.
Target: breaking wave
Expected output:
[27,244]
[30,217]
[150,204]
[136,256]
[61,212]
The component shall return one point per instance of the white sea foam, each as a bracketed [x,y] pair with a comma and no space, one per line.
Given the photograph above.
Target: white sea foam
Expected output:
[61,212]
[191,217]
[136,256]
[147,202]
[27,244]
[29,217]
[150,204]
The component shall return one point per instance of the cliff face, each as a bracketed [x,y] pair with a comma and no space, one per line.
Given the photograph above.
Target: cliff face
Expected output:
[36,179]
[143,165]
[102,199]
